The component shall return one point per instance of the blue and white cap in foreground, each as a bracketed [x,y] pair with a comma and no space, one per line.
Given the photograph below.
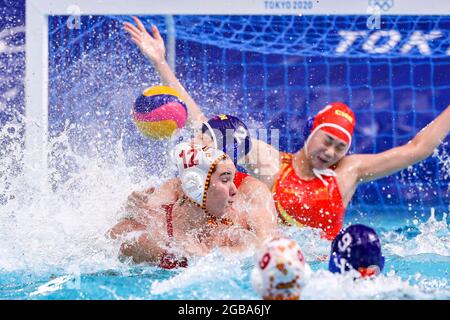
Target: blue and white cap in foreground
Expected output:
[281,271]
[195,165]
[357,247]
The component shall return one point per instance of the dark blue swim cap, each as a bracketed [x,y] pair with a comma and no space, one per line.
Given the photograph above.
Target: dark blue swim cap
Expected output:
[230,135]
[357,247]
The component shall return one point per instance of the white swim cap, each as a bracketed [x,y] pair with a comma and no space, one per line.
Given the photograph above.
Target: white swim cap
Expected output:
[195,165]
[281,271]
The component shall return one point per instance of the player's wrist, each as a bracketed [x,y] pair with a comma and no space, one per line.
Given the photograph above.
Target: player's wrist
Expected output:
[160,63]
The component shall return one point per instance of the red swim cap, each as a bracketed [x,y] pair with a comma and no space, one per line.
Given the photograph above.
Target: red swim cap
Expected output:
[337,119]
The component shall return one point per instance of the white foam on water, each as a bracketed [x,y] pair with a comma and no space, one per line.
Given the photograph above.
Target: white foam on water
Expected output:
[326,285]
[65,228]
[434,238]
[214,267]
[314,247]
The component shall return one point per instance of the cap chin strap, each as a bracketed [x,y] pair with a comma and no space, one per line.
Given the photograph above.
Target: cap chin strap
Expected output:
[211,133]
[326,172]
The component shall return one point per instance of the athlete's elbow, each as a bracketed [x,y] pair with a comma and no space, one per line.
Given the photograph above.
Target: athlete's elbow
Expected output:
[419,150]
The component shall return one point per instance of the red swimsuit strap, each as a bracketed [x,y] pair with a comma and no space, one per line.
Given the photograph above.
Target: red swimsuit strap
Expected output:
[168,260]
[168,209]
[286,158]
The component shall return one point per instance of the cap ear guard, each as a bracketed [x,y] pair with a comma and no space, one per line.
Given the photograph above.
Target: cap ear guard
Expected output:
[337,264]
[195,165]
[192,183]
[206,128]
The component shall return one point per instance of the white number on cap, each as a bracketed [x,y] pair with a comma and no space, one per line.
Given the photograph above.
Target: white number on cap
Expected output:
[345,241]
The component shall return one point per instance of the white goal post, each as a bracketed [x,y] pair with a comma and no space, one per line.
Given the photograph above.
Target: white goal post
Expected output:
[37,12]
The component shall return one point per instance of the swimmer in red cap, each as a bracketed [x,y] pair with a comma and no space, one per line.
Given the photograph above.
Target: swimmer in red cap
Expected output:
[313,186]
[316,200]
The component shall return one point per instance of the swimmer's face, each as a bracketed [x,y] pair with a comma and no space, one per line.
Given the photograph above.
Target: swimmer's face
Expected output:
[324,149]
[222,190]
[203,139]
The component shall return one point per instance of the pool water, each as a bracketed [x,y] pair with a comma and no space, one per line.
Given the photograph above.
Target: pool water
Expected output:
[417,267]
[53,243]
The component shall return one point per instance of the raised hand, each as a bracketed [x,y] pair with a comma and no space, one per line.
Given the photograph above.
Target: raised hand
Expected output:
[151,45]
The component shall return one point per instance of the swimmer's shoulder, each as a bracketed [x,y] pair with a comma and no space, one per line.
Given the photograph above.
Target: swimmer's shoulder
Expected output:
[347,176]
[285,158]
[348,165]
[284,161]
[251,184]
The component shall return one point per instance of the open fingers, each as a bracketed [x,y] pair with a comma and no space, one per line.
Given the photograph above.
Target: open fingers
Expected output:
[139,24]
[138,197]
[132,30]
[137,41]
[156,33]
[130,26]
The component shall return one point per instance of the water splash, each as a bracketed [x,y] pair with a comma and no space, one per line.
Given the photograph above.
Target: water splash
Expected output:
[314,247]
[65,227]
[433,238]
[221,274]
[444,160]
[63,231]
[325,285]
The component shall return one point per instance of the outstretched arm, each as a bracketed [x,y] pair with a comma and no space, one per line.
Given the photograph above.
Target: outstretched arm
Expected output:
[152,46]
[370,167]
